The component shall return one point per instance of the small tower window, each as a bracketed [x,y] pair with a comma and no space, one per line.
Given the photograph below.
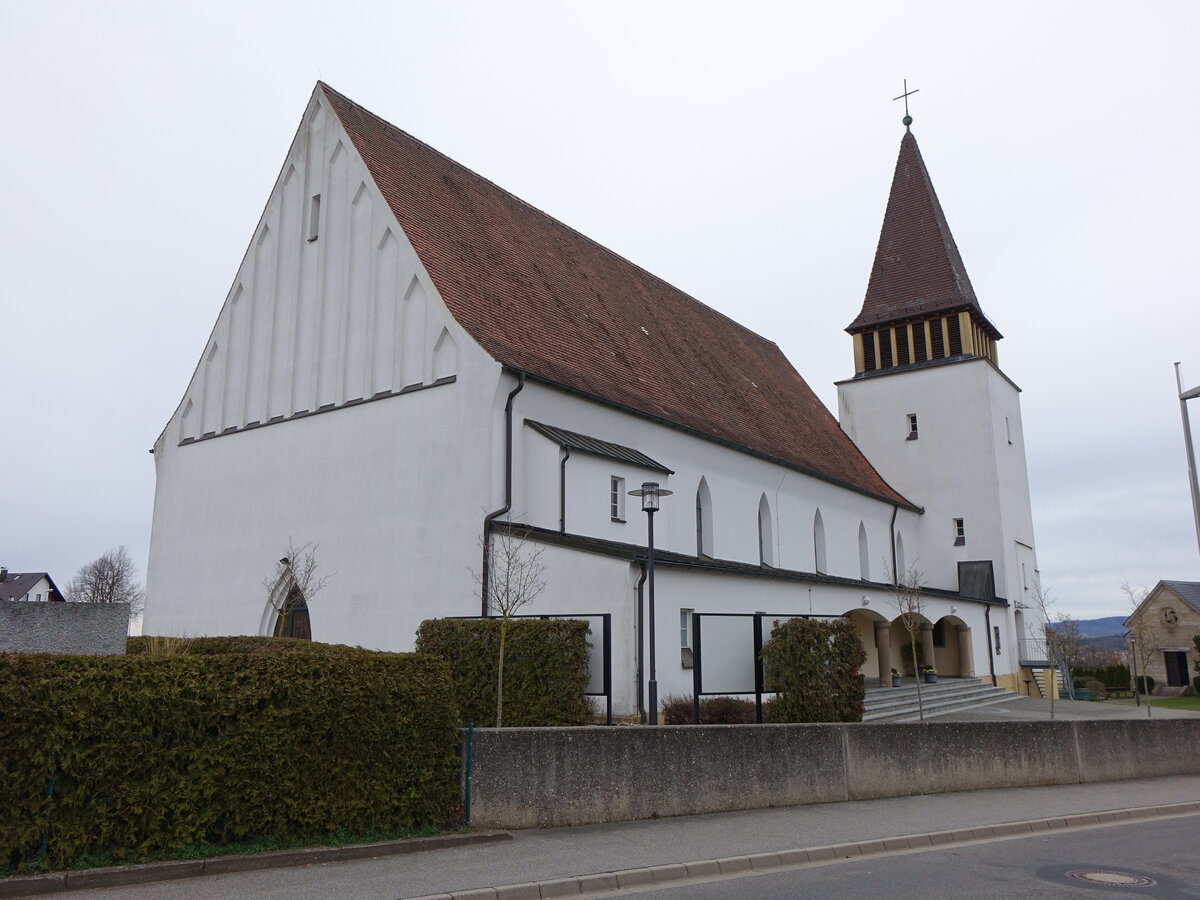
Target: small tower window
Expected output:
[902,356]
[912,427]
[1008,429]
[314,218]
[960,533]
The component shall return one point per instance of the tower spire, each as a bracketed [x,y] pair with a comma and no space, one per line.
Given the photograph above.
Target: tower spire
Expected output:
[919,288]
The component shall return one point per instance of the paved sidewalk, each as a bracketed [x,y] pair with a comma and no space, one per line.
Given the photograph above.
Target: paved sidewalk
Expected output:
[1067,710]
[566,853]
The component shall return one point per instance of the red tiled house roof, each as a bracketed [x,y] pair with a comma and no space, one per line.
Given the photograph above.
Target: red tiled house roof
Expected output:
[542,298]
[918,271]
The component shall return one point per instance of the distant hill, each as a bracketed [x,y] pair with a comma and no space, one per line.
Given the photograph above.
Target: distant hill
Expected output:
[1107,632]
[1101,627]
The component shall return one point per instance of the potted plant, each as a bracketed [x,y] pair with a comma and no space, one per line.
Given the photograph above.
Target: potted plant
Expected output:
[930,674]
[895,678]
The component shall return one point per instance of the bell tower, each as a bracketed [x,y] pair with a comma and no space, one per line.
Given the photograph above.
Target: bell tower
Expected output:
[929,405]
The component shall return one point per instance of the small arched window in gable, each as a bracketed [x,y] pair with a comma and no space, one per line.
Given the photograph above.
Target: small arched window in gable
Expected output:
[766,538]
[864,555]
[704,520]
[445,357]
[819,542]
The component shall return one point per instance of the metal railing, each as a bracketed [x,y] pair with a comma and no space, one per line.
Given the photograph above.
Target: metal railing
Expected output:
[1033,648]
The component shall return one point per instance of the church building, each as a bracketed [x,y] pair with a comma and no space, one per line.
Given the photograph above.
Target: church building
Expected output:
[412,364]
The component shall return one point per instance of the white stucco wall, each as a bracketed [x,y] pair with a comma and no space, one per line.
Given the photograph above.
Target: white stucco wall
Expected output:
[336,403]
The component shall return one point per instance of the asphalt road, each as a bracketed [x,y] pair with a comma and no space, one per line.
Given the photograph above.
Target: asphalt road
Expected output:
[1162,852]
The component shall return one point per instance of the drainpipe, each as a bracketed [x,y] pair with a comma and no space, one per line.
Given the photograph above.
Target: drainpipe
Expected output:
[641,707]
[895,574]
[492,516]
[562,490]
[987,618]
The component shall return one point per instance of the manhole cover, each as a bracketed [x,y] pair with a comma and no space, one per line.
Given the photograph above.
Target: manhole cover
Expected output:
[1110,878]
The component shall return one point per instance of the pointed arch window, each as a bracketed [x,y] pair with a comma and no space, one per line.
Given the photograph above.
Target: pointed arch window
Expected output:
[901,565]
[819,542]
[293,621]
[864,554]
[704,541]
[766,536]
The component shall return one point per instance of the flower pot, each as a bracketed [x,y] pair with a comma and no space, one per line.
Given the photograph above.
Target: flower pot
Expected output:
[931,677]
[895,681]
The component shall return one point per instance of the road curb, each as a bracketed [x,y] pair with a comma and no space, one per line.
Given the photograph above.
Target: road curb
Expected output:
[649,876]
[121,876]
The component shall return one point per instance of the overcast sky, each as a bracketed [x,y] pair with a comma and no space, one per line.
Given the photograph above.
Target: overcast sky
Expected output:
[743,152]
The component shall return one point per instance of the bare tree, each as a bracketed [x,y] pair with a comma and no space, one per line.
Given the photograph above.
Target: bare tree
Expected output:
[1070,641]
[515,579]
[296,579]
[1147,636]
[907,598]
[1041,601]
[110,579]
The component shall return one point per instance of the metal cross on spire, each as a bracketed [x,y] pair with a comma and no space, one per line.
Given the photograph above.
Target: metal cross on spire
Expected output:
[907,118]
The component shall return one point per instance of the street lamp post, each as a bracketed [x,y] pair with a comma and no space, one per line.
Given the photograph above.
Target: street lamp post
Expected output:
[1137,695]
[1184,397]
[651,495]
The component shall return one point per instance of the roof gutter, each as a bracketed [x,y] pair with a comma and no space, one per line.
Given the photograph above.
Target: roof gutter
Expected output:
[484,580]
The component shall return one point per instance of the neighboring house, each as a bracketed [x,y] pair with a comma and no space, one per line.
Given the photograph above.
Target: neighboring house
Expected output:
[28,586]
[1164,624]
[411,361]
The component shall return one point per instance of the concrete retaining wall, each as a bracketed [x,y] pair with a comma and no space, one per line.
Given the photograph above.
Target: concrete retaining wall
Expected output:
[77,628]
[534,777]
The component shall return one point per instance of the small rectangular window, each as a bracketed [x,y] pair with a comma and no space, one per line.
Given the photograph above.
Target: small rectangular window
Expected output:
[912,427]
[314,218]
[685,638]
[960,533]
[996,635]
[616,499]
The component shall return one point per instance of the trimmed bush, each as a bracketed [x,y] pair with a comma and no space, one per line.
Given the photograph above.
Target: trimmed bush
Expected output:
[545,668]
[141,756]
[1111,676]
[1096,689]
[815,666]
[713,710]
[1145,684]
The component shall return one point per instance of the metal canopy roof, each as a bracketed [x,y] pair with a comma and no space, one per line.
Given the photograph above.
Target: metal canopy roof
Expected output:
[597,447]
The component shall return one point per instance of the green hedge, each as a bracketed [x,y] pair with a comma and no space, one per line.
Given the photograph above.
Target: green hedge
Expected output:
[815,666]
[150,754]
[545,668]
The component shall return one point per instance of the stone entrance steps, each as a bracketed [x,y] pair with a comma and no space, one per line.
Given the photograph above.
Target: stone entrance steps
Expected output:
[949,695]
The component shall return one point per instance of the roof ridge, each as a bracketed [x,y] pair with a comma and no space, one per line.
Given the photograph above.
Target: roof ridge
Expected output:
[543,213]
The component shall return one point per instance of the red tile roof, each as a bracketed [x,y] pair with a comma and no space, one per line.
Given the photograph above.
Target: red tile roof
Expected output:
[918,271]
[542,298]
